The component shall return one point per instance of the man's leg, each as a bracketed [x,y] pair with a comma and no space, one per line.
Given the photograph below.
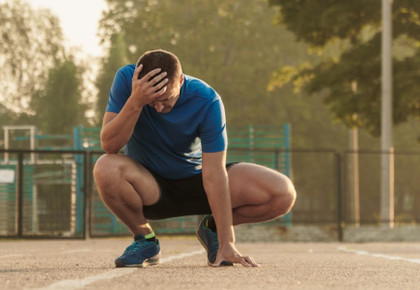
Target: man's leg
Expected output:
[259,193]
[125,186]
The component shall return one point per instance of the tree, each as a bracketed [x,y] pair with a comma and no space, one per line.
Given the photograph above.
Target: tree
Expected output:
[231,46]
[59,105]
[31,41]
[348,75]
[116,58]
[355,27]
[5,115]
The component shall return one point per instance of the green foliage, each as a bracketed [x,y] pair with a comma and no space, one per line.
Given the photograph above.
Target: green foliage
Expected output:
[233,47]
[357,26]
[59,106]
[39,82]
[5,115]
[320,21]
[31,41]
[115,59]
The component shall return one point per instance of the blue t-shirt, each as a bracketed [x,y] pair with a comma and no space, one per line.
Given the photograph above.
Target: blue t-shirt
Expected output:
[171,144]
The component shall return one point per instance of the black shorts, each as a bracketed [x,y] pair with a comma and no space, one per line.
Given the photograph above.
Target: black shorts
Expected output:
[179,197]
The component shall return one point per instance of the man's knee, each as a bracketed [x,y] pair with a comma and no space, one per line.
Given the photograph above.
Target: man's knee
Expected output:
[284,196]
[103,168]
[105,172]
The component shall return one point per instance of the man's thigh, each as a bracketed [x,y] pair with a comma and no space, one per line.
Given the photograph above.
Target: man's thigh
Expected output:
[252,184]
[180,197]
[115,172]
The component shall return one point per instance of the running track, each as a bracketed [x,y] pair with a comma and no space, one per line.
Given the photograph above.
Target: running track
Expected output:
[74,264]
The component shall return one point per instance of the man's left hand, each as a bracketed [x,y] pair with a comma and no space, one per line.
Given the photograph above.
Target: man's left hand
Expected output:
[229,253]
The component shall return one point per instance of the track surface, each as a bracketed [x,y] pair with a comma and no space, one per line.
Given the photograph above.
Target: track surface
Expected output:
[59,264]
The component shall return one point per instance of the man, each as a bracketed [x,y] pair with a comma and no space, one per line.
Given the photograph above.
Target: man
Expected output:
[173,127]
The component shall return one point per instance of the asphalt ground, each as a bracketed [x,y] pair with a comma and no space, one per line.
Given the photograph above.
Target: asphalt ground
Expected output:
[89,264]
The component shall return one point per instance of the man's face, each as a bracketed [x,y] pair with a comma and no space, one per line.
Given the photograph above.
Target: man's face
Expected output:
[165,103]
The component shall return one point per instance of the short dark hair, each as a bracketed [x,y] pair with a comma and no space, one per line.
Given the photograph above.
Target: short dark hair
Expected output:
[163,59]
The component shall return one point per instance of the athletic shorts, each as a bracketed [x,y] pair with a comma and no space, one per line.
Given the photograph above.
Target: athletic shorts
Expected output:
[179,197]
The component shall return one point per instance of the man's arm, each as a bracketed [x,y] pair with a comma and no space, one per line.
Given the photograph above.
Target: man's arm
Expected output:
[216,185]
[118,128]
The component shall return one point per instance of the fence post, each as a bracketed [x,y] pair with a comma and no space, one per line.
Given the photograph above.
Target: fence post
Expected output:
[20,195]
[338,177]
[89,180]
[85,187]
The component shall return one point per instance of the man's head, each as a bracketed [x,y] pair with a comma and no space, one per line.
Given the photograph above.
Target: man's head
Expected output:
[169,63]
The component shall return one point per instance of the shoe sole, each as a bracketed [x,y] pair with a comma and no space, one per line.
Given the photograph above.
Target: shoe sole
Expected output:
[223,263]
[155,260]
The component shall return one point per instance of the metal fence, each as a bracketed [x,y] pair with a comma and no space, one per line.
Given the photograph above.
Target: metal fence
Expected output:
[52,193]
[43,193]
[361,190]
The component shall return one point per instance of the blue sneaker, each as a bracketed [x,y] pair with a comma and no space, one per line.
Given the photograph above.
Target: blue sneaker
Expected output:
[140,253]
[209,240]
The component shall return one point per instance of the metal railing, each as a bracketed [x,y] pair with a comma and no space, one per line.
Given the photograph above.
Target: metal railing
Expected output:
[20,194]
[326,194]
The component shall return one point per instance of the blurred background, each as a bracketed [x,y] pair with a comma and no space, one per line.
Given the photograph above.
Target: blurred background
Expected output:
[300,80]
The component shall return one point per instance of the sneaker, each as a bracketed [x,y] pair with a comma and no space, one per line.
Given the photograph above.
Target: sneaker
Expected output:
[140,253]
[209,240]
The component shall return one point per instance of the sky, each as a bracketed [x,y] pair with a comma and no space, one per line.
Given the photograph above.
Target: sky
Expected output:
[79,21]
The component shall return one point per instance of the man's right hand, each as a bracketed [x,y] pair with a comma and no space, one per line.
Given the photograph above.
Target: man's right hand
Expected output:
[149,87]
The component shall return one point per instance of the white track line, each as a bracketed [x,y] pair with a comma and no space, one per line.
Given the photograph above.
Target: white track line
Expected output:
[111,274]
[378,255]
[76,251]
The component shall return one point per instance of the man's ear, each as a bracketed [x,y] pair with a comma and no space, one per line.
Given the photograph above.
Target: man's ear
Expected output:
[181,80]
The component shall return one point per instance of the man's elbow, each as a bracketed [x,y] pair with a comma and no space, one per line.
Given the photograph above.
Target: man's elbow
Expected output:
[110,148]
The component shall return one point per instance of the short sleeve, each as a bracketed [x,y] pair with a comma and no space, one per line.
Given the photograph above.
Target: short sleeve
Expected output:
[213,129]
[120,89]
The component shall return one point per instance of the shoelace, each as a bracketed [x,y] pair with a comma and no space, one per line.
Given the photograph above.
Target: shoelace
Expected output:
[135,246]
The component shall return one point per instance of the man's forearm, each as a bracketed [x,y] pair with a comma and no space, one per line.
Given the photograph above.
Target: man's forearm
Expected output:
[217,189]
[117,131]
